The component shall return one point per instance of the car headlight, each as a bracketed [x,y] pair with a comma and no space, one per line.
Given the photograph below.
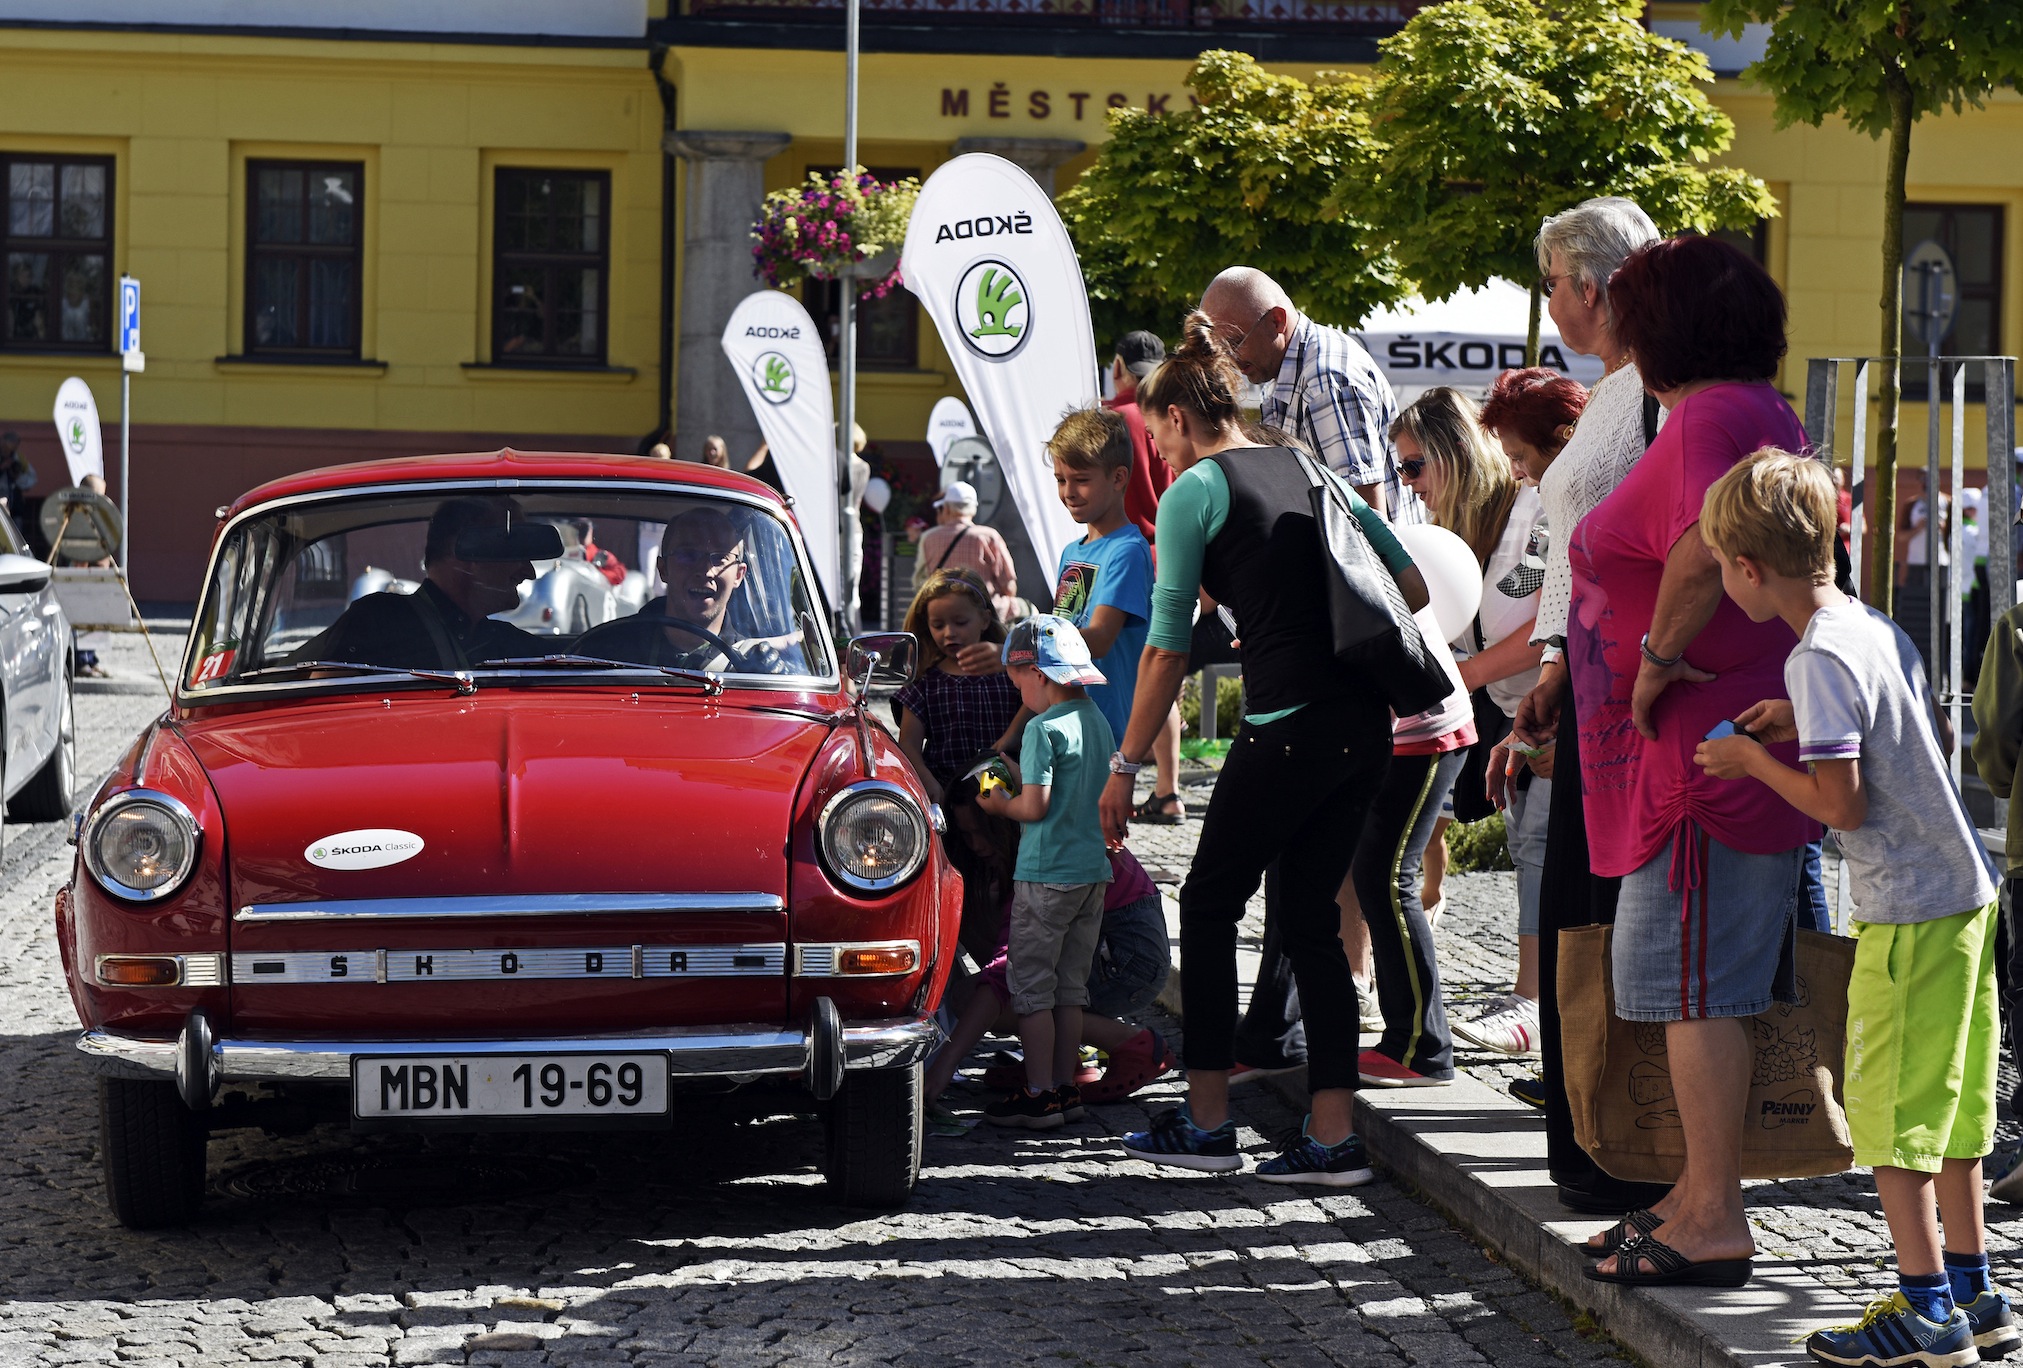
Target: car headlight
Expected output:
[141,845]
[873,836]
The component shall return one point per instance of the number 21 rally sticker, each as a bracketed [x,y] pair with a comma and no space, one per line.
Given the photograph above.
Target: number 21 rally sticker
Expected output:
[367,848]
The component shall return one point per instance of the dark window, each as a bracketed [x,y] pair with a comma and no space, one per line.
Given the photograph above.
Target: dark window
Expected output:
[58,286]
[1972,233]
[304,257]
[888,329]
[1752,242]
[551,267]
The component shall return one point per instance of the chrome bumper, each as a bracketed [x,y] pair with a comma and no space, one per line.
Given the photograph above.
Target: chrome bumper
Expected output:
[739,1053]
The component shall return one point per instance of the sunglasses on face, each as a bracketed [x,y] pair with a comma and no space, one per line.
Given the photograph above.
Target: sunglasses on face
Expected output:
[1411,469]
[1547,284]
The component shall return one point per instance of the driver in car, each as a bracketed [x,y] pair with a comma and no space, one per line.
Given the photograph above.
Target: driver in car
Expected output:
[477,552]
[703,561]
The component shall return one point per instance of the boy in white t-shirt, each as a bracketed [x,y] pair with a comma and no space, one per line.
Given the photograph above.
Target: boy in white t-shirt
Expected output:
[1922,1032]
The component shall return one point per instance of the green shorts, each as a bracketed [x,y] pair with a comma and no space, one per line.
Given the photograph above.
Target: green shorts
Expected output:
[1922,1035]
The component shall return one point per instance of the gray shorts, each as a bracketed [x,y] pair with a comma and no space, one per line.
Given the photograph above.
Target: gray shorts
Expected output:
[1726,949]
[1054,929]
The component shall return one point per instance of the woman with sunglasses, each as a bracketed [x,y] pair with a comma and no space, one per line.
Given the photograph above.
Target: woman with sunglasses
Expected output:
[1577,252]
[1468,486]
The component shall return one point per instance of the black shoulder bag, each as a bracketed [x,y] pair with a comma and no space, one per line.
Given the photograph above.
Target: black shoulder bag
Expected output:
[1373,629]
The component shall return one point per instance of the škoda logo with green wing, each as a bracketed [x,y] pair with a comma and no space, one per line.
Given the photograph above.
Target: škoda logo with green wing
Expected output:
[993,308]
[774,375]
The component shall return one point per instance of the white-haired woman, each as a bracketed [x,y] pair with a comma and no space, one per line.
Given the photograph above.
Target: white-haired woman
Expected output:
[1577,252]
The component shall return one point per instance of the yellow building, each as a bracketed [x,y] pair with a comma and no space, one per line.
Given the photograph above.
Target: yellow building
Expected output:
[453,224]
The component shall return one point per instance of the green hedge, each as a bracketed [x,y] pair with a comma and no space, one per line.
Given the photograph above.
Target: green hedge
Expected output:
[1228,704]
[1477,846]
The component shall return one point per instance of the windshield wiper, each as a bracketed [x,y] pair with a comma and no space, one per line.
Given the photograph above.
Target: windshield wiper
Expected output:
[711,682]
[461,679]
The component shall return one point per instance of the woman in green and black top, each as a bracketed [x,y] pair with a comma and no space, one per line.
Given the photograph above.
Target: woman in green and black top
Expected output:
[1238,524]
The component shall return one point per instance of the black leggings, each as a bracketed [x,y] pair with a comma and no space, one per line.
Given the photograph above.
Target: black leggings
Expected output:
[1569,895]
[1295,791]
[1387,865]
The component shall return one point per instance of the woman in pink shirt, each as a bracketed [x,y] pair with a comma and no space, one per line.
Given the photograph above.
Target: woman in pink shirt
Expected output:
[1706,921]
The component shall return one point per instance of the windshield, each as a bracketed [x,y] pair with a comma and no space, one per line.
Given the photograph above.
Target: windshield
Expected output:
[571,580]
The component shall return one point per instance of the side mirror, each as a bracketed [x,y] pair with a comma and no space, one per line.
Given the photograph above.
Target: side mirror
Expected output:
[881,659]
[27,575]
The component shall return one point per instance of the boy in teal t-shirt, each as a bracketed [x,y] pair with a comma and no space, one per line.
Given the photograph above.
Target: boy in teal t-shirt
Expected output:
[1057,886]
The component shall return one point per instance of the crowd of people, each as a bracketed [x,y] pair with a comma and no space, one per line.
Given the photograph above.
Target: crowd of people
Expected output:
[1662,688]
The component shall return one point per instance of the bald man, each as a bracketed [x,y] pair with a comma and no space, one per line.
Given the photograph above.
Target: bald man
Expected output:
[1319,384]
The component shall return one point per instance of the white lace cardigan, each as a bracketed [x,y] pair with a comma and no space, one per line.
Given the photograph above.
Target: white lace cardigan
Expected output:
[1606,442]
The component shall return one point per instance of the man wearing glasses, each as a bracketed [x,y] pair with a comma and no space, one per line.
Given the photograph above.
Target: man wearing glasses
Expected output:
[1319,384]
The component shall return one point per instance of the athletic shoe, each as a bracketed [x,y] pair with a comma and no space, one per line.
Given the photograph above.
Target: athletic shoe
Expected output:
[1250,1073]
[1071,1102]
[1307,1160]
[2008,1184]
[1176,1141]
[1030,1111]
[1138,1061]
[1529,1091]
[1510,1026]
[1379,1070]
[1012,1077]
[1891,1335]
[1994,1327]
[1370,1016]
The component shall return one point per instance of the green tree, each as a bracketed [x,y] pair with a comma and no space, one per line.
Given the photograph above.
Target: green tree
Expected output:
[1247,176]
[1496,113]
[1881,65]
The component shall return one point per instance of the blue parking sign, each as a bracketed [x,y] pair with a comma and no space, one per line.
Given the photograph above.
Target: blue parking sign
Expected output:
[129,315]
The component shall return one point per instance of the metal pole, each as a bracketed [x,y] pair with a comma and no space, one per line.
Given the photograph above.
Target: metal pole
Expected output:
[1963,564]
[847,308]
[125,428]
[1934,572]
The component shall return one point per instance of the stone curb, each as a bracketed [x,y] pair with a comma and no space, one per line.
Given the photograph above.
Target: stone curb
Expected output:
[1480,1156]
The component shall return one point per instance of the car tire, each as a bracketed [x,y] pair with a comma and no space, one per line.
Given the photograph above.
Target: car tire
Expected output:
[48,796]
[579,616]
[153,1150]
[874,1130]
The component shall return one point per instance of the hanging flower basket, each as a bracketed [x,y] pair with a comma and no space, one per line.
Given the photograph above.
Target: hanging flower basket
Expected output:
[832,228]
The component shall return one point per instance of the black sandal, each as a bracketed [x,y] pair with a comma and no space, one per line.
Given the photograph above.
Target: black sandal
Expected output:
[1670,1268]
[1154,810]
[1639,1222]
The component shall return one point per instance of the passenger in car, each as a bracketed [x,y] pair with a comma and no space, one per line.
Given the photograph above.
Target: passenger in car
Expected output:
[477,552]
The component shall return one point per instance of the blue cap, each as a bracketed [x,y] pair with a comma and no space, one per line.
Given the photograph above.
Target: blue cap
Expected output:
[1052,646]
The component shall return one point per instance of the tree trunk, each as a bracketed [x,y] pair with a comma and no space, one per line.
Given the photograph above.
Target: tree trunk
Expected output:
[1882,522]
[1531,335]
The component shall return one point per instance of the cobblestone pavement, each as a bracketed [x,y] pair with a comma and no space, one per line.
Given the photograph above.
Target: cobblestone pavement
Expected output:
[1833,1227]
[714,1246]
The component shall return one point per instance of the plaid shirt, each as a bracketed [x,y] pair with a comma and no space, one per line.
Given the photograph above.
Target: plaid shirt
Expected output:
[1330,395]
[961,714]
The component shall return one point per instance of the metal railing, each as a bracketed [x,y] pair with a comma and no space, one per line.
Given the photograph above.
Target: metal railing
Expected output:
[1823,403]
[1155,14]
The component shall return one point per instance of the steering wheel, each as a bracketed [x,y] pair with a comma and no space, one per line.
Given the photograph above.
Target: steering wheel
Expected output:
[643,639]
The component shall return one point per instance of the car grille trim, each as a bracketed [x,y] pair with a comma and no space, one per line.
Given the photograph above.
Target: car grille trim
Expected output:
[623,963]
[519,905]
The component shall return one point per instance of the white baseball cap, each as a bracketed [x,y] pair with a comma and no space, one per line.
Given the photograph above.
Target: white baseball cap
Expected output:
[960,494]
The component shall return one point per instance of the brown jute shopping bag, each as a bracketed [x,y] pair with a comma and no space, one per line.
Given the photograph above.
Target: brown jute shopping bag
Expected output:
[1620,1087]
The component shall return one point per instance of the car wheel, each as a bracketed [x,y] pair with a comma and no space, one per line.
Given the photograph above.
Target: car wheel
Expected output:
[579,616]
[874,1133]
[48,796]
[153,1150]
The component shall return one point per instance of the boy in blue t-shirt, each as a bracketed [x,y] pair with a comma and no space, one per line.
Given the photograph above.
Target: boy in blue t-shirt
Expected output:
[1057,886]
[1104,581]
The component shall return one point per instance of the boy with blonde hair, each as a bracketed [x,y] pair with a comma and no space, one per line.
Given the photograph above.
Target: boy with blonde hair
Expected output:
[1921,1031]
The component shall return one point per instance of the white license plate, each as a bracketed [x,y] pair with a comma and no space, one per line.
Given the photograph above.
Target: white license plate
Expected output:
[450,1087]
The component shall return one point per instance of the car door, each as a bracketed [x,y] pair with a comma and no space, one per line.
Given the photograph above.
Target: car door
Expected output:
[36,641]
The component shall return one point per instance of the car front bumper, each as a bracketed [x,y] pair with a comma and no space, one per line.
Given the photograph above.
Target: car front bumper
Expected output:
[734,1053]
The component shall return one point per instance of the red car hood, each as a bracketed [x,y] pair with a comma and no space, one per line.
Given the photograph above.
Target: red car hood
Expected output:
[508,793]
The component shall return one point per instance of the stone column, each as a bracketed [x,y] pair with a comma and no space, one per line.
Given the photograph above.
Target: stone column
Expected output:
[1037,157]
[725,185]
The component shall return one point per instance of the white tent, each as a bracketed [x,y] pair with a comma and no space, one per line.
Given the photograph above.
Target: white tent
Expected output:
[1466,341]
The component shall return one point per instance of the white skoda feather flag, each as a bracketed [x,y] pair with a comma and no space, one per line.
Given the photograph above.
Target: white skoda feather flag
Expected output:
[988,256]
[777,353]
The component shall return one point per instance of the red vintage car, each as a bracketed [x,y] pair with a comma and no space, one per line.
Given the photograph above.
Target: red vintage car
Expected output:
[393,861]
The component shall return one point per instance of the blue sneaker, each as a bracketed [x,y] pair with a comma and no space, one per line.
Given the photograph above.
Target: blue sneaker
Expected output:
[1995,1331]
[1176,1141]
[1307,1160]
[1891,1335]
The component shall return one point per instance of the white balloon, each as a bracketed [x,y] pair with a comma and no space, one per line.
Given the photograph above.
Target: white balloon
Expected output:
[1453,579]
[877,494]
